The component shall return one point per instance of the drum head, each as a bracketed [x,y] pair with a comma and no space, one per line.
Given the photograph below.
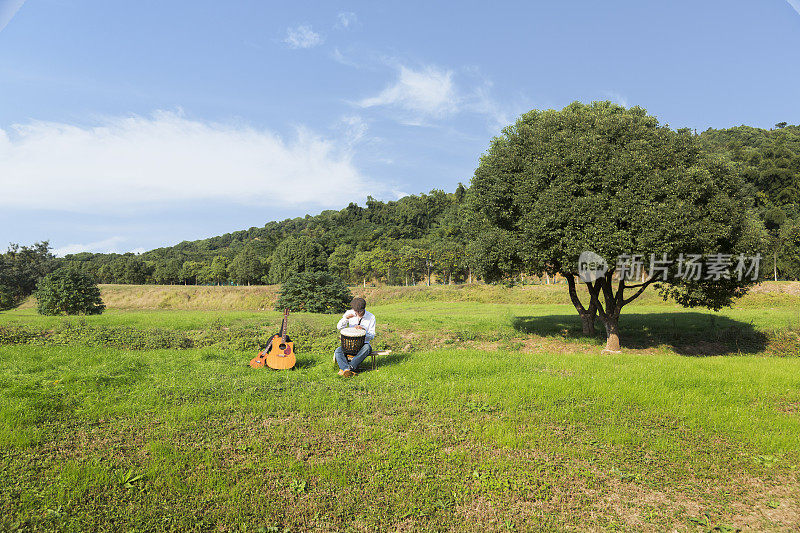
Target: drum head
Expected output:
[353,332]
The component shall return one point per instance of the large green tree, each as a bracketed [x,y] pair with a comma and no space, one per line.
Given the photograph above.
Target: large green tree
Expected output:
[611,180]
[21,268]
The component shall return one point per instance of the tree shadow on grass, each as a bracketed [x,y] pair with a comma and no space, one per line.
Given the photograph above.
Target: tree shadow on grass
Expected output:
[687,333]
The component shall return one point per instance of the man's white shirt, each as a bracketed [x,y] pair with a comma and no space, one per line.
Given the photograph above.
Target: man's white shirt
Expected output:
[367,322]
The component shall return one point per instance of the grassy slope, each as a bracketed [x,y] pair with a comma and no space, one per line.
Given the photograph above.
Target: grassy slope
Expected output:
[179,297]
[552,436]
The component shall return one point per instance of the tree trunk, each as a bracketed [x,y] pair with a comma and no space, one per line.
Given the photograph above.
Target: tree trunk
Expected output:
[775,265]
[612,334]
[365,283]
[587,314]
[587,323]
[547,278]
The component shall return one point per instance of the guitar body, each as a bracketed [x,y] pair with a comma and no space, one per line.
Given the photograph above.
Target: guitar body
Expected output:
[260,360]
[280,353]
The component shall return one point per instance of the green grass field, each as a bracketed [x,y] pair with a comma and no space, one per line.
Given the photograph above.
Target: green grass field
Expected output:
[487,416]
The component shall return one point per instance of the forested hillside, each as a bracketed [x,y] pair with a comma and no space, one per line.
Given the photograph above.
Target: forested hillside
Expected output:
[399,241]
[436,234]
[769,162]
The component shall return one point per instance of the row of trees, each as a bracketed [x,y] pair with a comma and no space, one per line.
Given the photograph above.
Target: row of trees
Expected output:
[418,238]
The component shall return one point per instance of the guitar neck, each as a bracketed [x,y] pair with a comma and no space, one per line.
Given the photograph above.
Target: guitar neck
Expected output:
[285,325]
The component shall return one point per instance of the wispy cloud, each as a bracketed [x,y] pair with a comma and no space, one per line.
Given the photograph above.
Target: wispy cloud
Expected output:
[795,5]
[617,98]
[130,163]
[354,128]
[429,92]
[8,8]
[346,20]
[420,96]
[112,245]
[302,37]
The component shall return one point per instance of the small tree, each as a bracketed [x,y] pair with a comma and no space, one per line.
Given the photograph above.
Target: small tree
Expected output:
[315,292]
[68,291]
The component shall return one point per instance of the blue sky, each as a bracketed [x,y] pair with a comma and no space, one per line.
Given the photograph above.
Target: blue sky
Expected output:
[131,125]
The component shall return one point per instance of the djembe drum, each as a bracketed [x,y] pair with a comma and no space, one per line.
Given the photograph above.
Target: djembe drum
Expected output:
[352,340]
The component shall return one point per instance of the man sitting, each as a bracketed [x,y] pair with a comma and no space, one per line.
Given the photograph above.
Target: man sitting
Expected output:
[357,317]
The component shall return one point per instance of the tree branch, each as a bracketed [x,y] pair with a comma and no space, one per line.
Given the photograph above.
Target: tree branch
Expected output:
[599,284]
[573,294]
[642,287]
[619,298]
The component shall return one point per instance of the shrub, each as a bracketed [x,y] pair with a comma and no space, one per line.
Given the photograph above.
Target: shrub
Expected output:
[68,291]
[315,292]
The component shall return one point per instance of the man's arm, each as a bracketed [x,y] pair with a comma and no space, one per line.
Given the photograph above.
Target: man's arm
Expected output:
[370,330]
[343,322]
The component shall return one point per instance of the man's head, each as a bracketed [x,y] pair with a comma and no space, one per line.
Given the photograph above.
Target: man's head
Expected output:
[359,305]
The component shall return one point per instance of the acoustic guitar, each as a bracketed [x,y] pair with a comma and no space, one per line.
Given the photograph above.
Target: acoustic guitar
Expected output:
[279,353]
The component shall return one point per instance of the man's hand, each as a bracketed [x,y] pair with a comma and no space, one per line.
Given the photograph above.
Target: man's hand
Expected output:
[359,327]
[350,314]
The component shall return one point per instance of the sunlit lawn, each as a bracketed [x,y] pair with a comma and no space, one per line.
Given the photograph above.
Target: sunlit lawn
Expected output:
[436,439]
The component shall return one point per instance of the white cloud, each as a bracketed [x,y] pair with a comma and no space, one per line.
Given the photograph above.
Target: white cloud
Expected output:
[106,246]
[418,96]
[302,37]
[795,5]
[8,8]
[354,128]
[130,163]
[429,92]
[399,194]
[617,98]
[345,20]
[498,116]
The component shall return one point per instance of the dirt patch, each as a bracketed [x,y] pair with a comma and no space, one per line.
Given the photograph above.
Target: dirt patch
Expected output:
[789,407]
[777,287]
